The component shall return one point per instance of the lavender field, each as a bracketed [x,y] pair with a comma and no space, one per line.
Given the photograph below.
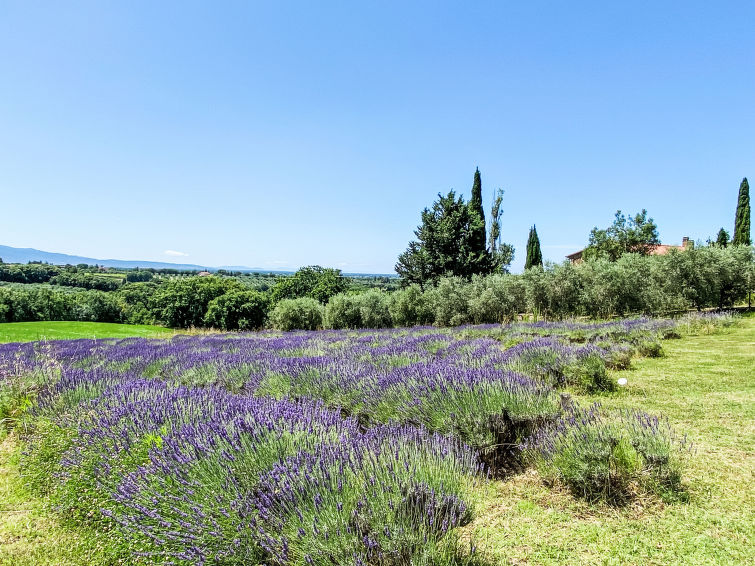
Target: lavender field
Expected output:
[329,447]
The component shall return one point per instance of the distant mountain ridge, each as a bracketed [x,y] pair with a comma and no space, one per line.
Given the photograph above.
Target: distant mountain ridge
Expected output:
[24,255]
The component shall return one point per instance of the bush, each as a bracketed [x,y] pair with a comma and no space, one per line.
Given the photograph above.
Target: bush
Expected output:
[609,456]
[497,298]
[650,349]
[182,303]
[237,310]
[365,310]
[410,307]
[373,309]
[343,311]
[589,374]
[449,302]
[297,314]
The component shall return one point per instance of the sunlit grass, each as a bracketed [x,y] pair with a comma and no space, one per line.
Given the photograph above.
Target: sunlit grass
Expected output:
[706,386]
[67,330]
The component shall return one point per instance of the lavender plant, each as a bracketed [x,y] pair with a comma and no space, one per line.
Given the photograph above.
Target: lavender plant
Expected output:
[610,456]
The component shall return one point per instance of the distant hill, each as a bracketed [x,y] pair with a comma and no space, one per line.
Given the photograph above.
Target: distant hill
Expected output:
[24,255]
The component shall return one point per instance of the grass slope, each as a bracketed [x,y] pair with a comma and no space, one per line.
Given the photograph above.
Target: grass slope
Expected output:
[706,386]
[65,330]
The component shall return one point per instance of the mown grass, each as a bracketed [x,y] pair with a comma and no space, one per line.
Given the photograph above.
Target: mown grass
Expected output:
[66,330]
[706,386]
[31,534]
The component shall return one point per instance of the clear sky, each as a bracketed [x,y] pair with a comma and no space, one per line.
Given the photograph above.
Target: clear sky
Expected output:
[283,134]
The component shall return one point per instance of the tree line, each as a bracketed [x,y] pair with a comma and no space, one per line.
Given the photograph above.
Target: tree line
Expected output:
[316,297]
[455,272]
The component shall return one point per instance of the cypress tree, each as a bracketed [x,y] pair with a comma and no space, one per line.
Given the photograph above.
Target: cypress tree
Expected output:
[742,218]
[534,255]
[723,238]
[478,234]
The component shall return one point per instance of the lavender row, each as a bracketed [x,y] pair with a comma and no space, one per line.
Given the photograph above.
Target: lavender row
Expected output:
[199,475]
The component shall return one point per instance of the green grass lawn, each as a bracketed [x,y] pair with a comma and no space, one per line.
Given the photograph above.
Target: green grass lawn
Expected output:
[706,386]
[65,330]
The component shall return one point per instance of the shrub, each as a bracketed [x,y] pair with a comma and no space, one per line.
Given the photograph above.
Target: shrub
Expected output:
[373,309]
[589,374]
[237,310]
[297,314]
[497,298]
[449,302]
[650,349]
[609,456]
[410,307]
[343,311]
[182,303]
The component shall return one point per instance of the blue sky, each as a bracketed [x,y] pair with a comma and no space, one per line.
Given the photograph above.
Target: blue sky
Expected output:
[285,134]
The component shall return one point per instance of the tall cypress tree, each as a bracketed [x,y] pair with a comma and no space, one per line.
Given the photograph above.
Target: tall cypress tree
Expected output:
[478,232]
[478,257]
[534,255]
[742,218]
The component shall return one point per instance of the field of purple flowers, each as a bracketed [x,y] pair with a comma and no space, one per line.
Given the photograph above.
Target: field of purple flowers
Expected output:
[330,447]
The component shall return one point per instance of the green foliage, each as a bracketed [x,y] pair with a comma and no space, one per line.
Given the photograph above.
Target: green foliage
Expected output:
[138,275]
[722,240]
[342,311]
[182,303]
[237,310]
[365,310]
[711,276]
[501,253]
[477,234]
[28,273]
[742,218]
[534,255]
[409,307]
[24,303]
[495,298]
[319,283]
[638,234]
[447,244]
[610,456]
[134,299]
[297,314]
[589,374]
[449,301]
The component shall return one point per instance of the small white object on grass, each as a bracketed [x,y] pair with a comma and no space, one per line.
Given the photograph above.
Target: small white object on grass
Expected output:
[622,381]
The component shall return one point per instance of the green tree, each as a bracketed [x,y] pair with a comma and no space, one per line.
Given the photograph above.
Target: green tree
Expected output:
[319,283]
[722,240]
[303,313]
[742,218]
[501,254]
[445,244]
[534,255]
[182,303]
[477,236]
[237,310]
[637,234]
